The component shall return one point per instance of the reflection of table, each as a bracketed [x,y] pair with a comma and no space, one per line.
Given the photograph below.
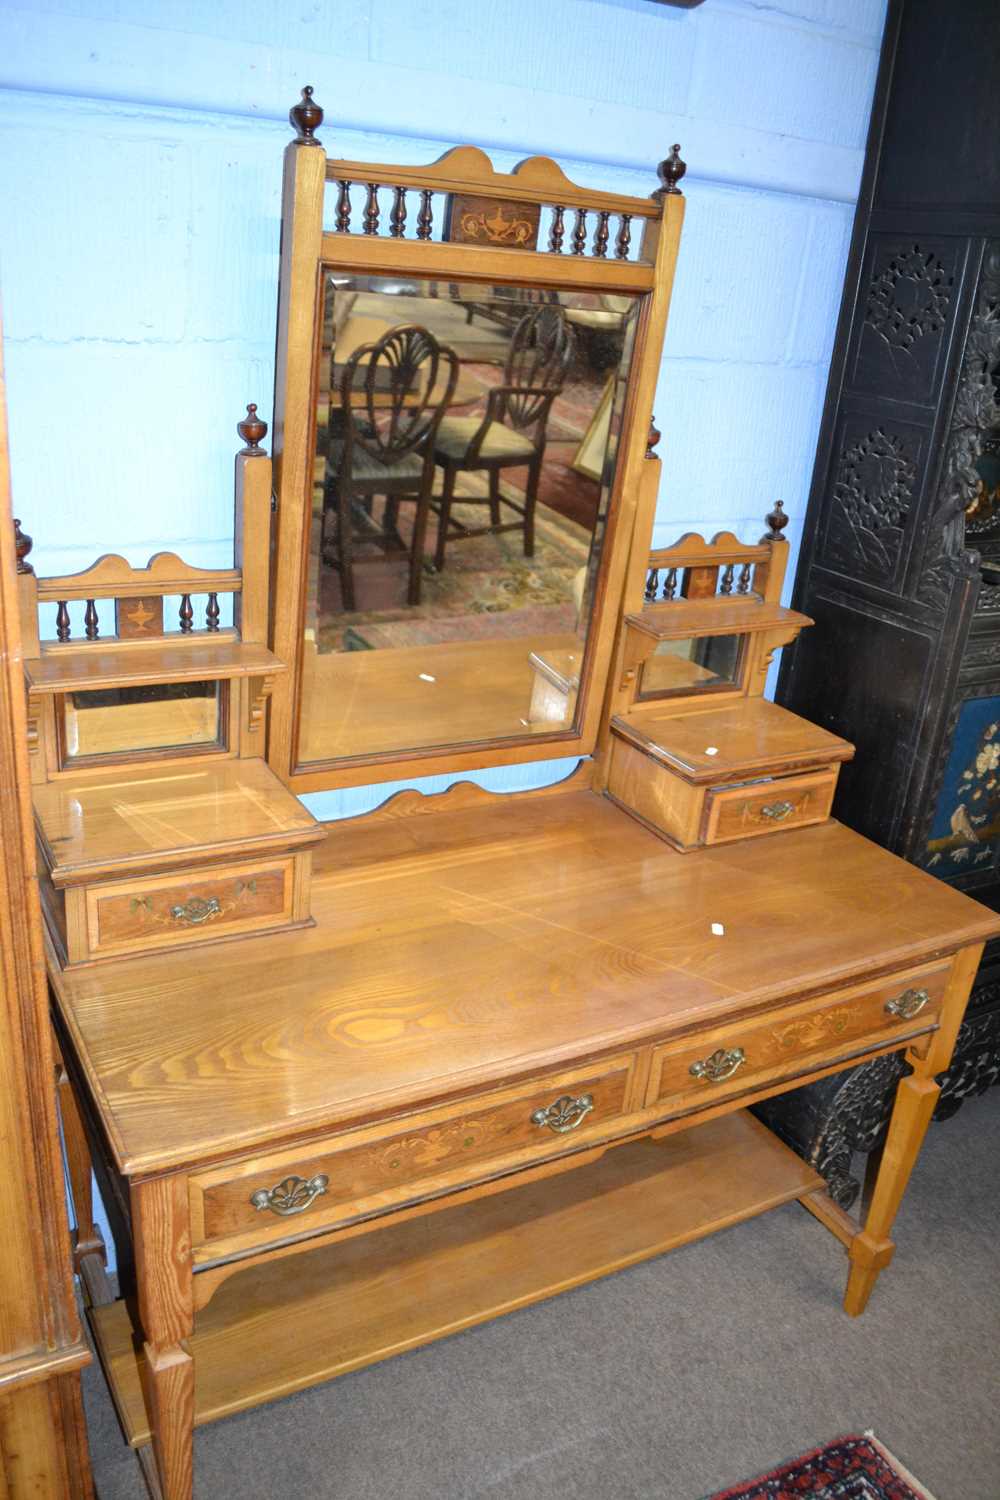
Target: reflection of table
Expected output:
[364,702]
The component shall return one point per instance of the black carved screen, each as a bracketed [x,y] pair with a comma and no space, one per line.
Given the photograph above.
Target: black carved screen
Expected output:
[900,567]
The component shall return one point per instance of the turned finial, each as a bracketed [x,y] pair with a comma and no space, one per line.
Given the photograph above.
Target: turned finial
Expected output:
[251,430]
[653,438]
[306,117]
[671,171]
[22,546]
[776,522]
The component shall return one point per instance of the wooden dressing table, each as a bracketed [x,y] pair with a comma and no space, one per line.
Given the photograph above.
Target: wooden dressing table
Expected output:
[416,1074]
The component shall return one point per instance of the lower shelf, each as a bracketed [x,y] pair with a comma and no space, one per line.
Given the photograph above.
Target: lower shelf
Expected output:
[281,1327]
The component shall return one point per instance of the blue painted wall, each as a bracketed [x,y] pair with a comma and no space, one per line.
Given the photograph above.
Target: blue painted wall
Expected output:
[140,145]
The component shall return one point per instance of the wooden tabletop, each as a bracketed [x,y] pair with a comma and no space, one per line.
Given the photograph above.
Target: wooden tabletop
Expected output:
[751,735]
[478,943]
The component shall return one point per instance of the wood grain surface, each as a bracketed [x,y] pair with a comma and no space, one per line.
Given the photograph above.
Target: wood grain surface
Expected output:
[160,816]
[752,736]
[476,946]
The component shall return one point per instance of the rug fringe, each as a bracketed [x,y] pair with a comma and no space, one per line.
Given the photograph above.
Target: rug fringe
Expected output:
[904,1472]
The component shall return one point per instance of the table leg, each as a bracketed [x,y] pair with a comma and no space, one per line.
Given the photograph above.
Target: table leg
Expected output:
[164,1279]
[87,1237]
[871,1250]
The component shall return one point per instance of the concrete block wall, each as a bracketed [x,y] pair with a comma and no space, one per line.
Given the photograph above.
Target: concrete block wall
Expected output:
[141,145]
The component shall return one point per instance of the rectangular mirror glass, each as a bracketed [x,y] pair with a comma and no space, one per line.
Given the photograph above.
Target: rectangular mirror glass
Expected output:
[707,664]
[466,440]
[122,721]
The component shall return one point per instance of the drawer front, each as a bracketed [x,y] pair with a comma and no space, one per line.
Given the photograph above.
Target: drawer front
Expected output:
[387,1165]
[740,812]
[137,915]
[730,1060]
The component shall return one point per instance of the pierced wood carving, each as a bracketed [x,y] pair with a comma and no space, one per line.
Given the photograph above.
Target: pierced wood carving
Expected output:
[908,298]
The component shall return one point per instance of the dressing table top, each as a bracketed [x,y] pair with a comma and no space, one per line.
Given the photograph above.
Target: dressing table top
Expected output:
[481,942]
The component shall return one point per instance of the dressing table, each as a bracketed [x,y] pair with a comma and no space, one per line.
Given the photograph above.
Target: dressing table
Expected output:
[350,1088]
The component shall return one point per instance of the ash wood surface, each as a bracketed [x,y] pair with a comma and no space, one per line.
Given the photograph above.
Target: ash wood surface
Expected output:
[473,946]
[190,659]
[752,736]
[159,816]
[365,1299]
[43,1445]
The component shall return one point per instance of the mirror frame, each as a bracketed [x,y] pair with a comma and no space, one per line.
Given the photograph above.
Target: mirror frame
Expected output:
[308,254]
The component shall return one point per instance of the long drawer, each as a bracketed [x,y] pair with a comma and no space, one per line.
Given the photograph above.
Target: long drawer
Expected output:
[734,1058]
[383,1166]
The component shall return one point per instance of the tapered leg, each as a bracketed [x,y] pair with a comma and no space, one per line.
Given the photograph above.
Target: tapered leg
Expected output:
[530,499]
[166,1309]
[345,546]
[419,539]
[87,1237]
[872,1249]
[444,515]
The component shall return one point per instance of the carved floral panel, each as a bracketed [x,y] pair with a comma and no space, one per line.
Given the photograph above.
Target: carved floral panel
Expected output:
[872,489]
[908,292]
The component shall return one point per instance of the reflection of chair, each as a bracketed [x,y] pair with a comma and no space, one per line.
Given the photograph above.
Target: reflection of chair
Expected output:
[510,433]
[392,397]
[599,329]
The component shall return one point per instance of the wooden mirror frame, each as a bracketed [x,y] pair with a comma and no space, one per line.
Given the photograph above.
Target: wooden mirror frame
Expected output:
[307,253]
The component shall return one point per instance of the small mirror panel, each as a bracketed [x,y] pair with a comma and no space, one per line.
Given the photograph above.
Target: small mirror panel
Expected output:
[466,439]
[125,721]
[706,664]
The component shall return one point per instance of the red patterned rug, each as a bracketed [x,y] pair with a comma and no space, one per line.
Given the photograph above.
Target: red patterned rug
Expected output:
[851,1468]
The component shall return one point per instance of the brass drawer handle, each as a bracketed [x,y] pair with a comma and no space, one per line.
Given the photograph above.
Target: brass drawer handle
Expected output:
[293,1196]
[721,1065]
[907,1005]
[565,1114]
[777,810]
[196,911]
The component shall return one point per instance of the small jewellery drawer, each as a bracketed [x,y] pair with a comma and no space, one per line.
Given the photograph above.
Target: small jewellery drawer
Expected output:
[739,812]
[735,1058]
[119,917]
[384,1166]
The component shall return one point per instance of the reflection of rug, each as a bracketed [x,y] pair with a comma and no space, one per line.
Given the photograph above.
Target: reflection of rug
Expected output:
[372,635]
[488,589]
[852,1468]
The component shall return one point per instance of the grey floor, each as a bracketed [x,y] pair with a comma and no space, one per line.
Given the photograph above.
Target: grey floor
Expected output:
[669,1381]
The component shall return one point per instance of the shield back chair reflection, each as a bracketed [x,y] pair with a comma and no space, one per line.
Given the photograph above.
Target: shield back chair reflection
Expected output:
[393,394]
[509,434]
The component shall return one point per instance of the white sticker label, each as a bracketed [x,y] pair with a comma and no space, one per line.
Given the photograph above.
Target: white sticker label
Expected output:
[718,930]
